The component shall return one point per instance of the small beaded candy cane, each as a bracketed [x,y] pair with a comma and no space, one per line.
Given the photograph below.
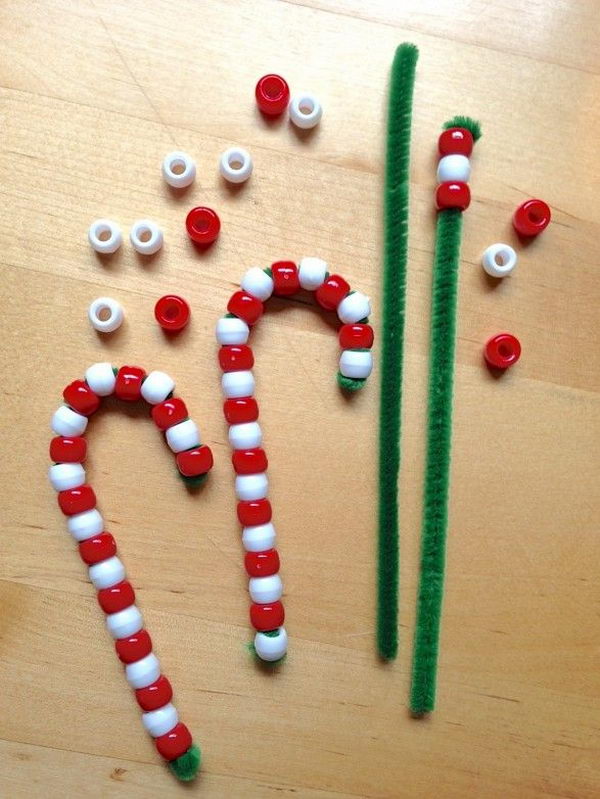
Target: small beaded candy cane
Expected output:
[97,547]
[245,308]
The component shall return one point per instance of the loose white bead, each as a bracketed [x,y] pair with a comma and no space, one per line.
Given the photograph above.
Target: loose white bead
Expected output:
[235,165]
[146,237]
[157,387]
[105,314]
[143,672]
[101,378]
[161,721]
[105,236]
[179,170]
[453,167]
[353,308]
[85,525]
[231,330]
[125,623]
[238,384]
[258,537]
[257,283]
[106,573]
[499,260]
[271,648]
[182,436]
[305,110]
[245,436]
[265,589]
[312,273]
[356,364]
[251,486]
[66,422]
[63,476]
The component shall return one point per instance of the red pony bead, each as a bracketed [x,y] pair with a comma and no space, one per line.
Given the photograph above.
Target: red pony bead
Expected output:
[77,500]
[117,597]
[175,743]
[134,648]
[249,461]
[267,617]
[172,313]
[129,383]
[203,225]
[97,548]
[356,337]
[332,292]
[234,357]
[81,397]
[193,462]
[65,449]
[245,306]
[255,511]
[502,351]
[285,278]
[272,95]
[155,695]
[240,410]
[452,194]
[170,412]
[262,564]
[456,141]
[531,217]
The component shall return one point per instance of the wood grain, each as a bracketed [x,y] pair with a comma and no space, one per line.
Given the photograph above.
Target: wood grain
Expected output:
[93,94]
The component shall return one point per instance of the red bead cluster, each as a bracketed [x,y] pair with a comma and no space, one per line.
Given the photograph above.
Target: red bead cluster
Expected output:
[451,193]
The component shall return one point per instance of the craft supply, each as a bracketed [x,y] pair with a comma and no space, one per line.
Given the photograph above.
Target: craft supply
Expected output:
[172,313]
[97,547]
[499,260]
[146,237]
[272,95]
[105,236]
[305,110]
[203,225]
[179,169]
[105,314]
[502,351]
[531,217]
[235,165]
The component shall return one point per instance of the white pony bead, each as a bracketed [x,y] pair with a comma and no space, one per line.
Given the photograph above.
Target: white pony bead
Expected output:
[179,170]
[106,573]
[247,435]
[105,314]
[258,537]
[238,384]
[182,436]
[161,721]
[146,237]
[257,283]
[356,364]
[105,236]
[235,165]
[499,260]
[157,387]
[67,422]
[353,308]
[85,525]
[231,330]
[453,167]
[265,589]
[101,378]
[63,476]
[305,110]
[125,623]
[251,486]
[271,648]
[312,273]
[143,672]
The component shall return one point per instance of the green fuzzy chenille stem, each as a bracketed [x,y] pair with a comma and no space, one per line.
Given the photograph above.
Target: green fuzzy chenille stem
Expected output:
[187,766]
[392,340]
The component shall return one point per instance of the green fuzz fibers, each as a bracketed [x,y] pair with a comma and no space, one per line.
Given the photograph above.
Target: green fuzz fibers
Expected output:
[186,767]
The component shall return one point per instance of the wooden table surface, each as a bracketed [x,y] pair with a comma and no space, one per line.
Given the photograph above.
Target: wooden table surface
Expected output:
[93,94]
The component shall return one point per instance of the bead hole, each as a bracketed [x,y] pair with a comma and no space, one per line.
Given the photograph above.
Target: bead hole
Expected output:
[535,217]
[306,107]
[236,161]
[201,225]
[177,167]
[504,350]
[103,234]
[145,234]
[272,89]
[171,312]
[103,313]
[501,258]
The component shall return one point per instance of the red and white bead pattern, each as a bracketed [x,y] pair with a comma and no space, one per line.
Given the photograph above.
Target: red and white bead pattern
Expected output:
[454,169]
[98,548]
[245,307]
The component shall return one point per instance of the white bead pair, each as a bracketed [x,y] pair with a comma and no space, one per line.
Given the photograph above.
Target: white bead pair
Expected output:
[105,236]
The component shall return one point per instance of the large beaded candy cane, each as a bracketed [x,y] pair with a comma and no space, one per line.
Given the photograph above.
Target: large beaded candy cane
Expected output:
[97,547]
[245,308]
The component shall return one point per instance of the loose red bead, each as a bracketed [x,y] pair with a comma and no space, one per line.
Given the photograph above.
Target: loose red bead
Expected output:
[129,383]
[502,351]
[77,500]
[249,461]
[272,95]
[81,397]
[285,278]
[65,449]
[267,617]
[168,413]
[175,743]
[262,564]
[452,194]
[245,306]
[456,141]
[203,225]
[154,695]
[195,461]
[97,548]
[235,357]
[332,292]
[356,337]
[134,648]
[240,410]
[531,217]
[172,313]
[256,511]
[117,597]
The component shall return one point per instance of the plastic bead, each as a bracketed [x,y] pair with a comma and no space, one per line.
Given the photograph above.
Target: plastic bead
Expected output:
[502,351]
[105,236]
[80,397]
[499,260]
[146,237]
[257,283]
[453,168]
[262,564]
[240,410]
[267,617]
[116,597]
[161,721]
[312,273]
[86,524]
[134,647]
[202,225]
[353,308]
[246,307]
[170,412]
[356,336]
[235,165]
[155,695]
[194,462]
[356,364]
[532,217]
[175,743]
[182,436]
[63,476]
[259,537]
[143,672]
[249,461]
[272,95]
[105,314]
[97,548]
[236,357]
[332,292]
[77,500]
[157,387]
[128,386]
[245,436]
[453,194]
[285,278]
[269,647]
[257,512]
[237,384]
[172,313]
[66,422]
[68,449]
[125,623]
[265,589]
[101,379]
[305,110]
[251,486]
[179,170]
[455,141]
[231,330]
[107,573]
